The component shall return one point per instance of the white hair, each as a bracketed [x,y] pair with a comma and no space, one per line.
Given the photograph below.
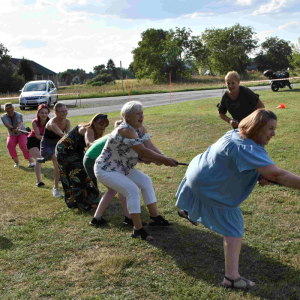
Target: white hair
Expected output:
[130,108]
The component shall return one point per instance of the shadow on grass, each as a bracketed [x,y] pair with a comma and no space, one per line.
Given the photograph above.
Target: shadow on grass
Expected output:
[199,253]
[5,243]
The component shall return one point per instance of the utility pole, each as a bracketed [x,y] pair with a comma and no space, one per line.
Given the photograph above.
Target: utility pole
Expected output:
[121,75]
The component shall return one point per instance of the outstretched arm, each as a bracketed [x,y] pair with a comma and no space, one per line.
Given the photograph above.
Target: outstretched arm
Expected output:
[283,177]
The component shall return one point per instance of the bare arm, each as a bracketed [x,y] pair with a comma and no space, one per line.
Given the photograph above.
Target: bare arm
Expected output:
[11,128]
[147,153]
[259,105]
[56,129]
[283,177]
[89,137]
[68,126]
[36,130]
[153,156]
[232,122]
[148,144]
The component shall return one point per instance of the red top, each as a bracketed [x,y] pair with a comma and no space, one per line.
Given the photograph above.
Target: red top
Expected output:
[40,127]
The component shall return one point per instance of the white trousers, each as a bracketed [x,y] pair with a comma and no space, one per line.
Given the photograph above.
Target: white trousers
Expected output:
[129,186]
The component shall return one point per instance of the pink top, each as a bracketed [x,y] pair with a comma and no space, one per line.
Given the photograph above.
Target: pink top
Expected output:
[40,127]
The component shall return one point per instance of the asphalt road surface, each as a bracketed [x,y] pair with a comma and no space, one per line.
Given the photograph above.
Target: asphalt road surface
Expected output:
[112,104]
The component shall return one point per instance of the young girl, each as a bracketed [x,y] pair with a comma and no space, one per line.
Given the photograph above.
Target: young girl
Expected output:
[34,138]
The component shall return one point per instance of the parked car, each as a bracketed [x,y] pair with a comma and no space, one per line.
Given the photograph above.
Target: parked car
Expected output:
[38,92]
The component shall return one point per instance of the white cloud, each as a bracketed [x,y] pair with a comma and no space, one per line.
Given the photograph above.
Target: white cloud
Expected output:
[282,27]
[72,21]
[8,6]
[264,34]
[272,7]
[197,15]
[41,4]
[244,2]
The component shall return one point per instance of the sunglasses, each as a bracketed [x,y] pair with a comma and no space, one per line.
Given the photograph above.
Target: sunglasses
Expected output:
[100,116]
[8,106]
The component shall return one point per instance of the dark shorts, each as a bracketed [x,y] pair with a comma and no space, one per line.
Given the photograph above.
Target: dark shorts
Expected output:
[33,142]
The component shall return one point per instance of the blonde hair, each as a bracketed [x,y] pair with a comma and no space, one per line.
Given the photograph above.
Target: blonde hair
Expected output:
[58,105]
[250,126]
[234,75]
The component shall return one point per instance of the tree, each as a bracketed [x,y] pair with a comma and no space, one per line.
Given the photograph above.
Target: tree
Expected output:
[82,76]
[147,57]
[26,69]
[295,58]
[4,57]
[98,69]
[273,55]
[9,82]
[229,48]
[162,52]
[111,68]
[66,76]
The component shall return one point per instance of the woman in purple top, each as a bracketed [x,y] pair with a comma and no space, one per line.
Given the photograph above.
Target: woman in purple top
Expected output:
[34,138]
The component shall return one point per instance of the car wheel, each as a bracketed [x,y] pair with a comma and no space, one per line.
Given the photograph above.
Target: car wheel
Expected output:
[22,107]
[275,86]
[49,103]
[56,100]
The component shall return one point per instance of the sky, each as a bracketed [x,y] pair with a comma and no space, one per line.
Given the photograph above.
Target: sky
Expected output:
[71,34]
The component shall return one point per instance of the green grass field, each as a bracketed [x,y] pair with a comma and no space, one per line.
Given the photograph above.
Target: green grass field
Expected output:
[50,252]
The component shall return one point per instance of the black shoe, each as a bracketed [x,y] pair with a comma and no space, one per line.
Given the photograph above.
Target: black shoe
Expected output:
[141,233]
[129,223]
[41,160]
[40,184]
[98,223]
[159,221]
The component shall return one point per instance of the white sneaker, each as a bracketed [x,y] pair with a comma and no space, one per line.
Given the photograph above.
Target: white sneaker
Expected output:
[16,166]
[56,193]
[31,165]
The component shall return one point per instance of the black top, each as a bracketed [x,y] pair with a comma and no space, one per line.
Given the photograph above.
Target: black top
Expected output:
[242,106]
[51,137]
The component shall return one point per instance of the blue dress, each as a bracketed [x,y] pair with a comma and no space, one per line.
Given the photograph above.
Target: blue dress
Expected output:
[219,180]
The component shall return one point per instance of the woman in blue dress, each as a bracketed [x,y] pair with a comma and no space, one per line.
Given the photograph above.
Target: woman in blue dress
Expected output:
[220,179]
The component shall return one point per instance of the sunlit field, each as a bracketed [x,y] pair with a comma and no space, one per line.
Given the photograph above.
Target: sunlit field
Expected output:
[48,251]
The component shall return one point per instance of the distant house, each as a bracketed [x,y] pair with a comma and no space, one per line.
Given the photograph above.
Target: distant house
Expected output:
[41,73]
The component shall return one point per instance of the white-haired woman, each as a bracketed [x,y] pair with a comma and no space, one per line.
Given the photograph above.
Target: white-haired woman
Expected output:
[115,168]
[220,179]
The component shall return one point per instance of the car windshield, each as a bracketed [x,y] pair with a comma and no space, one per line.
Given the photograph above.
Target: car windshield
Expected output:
[35,86]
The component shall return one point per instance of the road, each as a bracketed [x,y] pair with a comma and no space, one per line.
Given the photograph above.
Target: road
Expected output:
[112,104]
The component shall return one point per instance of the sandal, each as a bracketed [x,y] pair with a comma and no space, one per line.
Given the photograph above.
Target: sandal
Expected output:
[142,233]
[159,221]
[98,223]
[180,213]
[244,283]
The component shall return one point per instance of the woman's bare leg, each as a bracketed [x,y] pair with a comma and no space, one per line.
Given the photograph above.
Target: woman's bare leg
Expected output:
[232,249]
[56,173]
[104,202]
[35,152]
